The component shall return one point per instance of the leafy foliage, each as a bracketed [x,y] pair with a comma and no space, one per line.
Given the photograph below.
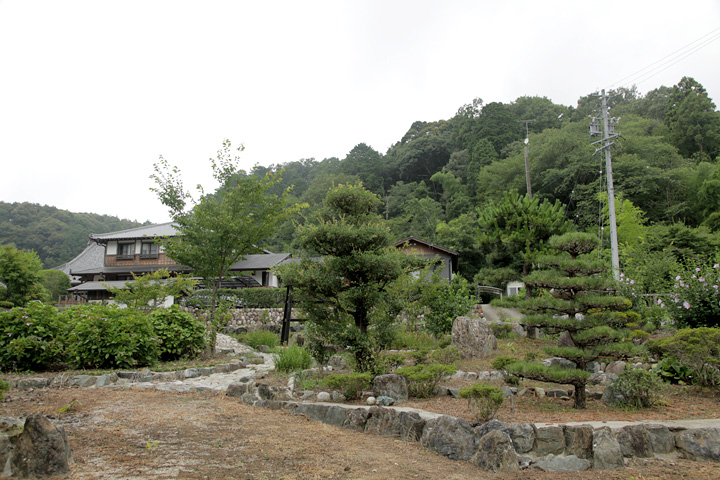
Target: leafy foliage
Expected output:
[255,338]
[31,337]
[55,284]
[696,295]
[110,337]
[351,385]
[181,335]
[148,292]
[292,358]
[19,276]
[638,388]
[446,303]
[484,400]
[697,349]
[423,379]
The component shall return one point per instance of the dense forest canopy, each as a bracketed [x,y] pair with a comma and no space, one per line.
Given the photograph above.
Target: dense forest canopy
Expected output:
[57,236]
[438,179]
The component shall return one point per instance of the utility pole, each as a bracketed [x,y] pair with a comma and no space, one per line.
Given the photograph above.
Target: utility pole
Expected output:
[608,133]
[527,161]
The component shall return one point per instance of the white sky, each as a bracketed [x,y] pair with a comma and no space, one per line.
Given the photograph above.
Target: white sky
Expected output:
[92,92]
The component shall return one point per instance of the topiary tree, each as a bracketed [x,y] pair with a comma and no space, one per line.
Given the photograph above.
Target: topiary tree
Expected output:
[577,300]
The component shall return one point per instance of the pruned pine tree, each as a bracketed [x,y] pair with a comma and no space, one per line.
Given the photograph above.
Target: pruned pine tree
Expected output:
[578,300]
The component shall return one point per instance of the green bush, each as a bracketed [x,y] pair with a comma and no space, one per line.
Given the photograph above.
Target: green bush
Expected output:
[104,336]
[423,379]
[261,297]
[388,362]
[255,338]
[484,400]
[452,300]
[499,363]
[502,330]
[639,388]
[446,356]
[414,340]
[674,371]
[4,387]
[292,358]
[31,337]
[350,384]
[696,348]
[696,298]
[180,334]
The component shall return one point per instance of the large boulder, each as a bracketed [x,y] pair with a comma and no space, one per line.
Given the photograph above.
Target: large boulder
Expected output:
[549,439]
[606,450]
[408,426]
[571,463]
[391,385]
[635,441]
[522,436]
[41,450]
[700,444]
[473,337]
[578,440]
[450,436]
[496,453]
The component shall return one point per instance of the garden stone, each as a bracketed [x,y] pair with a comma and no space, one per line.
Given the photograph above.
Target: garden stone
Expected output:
[522,436]
[441,391]
[385,401]
[597,378]
[83,381]
[41,450]
[127,375]
[524,462]
[330,414]
[559,362]
[571,463]
[508,391]
[557,393]
[450,436]
[190,373]
[408,426]
[473,337]
[487,427]
[256,360]
[539,392]
[495,453]
[371,400]
[391,385]
[454,392]
[578,440]
[617,367]
[592,367]
[518,330]
[263,348]
[549,440]
[206,371]
[565,340]
[337,396]
[606,450]
[236,389]
[356,419]
[323,397]
[32,383]
[661,438]
[472,376]
[699,444]
[611,396]
[634,441]
[6,449]
[338,362]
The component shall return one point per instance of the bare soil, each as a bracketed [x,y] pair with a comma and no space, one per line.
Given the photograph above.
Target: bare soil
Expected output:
[145,434]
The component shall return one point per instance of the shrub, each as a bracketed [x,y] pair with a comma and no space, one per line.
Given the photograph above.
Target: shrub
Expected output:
[180,334]
[423,379]
[31,337]
[452,300]
[696,348]
[255,338]
[110,337]
[4,387]
[388,362]
[502,330]
[484,400]
[446,356]
[350,384]
[414,340]
[639,388]
[499,363]
[696,296]
[292,358]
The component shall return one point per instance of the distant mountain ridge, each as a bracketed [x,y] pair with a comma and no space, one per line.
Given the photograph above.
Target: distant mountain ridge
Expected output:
[56,235]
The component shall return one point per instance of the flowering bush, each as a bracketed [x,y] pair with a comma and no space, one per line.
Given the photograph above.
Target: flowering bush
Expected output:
[696,296]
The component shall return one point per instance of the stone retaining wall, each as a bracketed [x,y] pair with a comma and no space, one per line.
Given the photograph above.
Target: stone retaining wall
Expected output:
[248,317]
[497,446]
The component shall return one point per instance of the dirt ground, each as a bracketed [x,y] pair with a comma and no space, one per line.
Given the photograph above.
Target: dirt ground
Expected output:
[144,434]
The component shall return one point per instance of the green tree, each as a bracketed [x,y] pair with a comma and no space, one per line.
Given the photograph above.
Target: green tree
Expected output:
[221,228]
[517,227]
[20,275]
[693,124]
[148,292]
[575,300]
[342,294]
[55,282]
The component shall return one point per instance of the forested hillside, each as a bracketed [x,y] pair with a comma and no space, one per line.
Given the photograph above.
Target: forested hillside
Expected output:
[56,235]
[442,175]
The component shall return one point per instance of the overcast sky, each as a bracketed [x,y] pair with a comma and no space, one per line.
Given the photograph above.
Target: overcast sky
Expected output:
[93,92]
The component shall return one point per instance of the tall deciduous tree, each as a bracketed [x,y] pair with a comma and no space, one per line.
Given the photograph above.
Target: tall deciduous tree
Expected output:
[575,300]
[342,293]
[20,275]
[693,124]
[223,227]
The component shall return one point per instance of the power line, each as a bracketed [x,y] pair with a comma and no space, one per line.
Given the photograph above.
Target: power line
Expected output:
[671,59]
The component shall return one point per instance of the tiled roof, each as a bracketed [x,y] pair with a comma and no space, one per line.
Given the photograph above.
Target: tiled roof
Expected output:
[148,231]
[93,257]
[261,261]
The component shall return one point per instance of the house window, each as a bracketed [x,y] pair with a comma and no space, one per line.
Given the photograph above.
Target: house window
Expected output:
[126,251]
[148,250]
